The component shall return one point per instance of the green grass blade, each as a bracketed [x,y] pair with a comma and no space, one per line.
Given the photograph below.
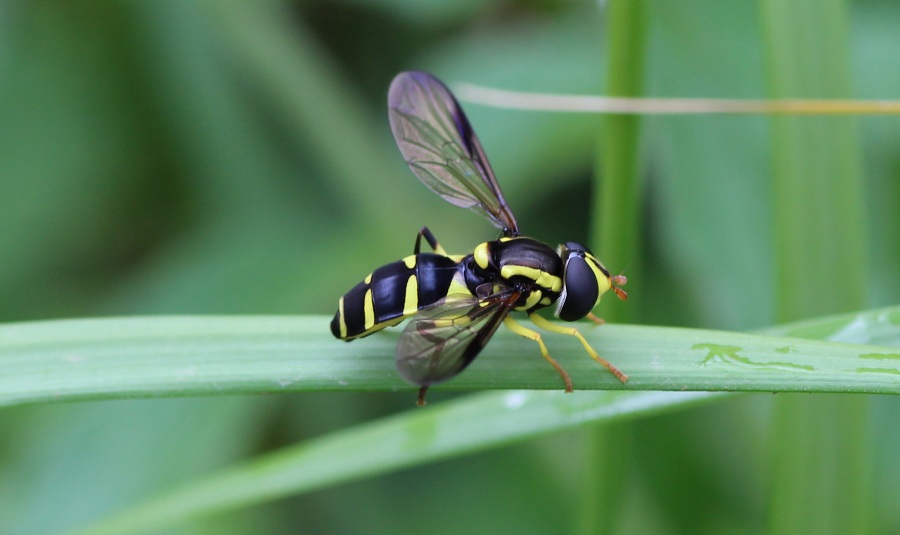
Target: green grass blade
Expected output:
[817,178]
[182,356]
[417,436]
[448,429]
[616,188]
[820,479]
[615,234]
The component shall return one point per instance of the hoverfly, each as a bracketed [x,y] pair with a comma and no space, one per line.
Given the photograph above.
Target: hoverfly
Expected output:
[457,302]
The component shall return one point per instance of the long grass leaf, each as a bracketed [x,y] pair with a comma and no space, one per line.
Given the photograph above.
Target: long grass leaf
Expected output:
[183,356]
[820,475]
[444,430]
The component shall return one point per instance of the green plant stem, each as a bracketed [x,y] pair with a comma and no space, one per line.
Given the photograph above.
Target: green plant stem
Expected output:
[616,224]
[616,186]
[821,473]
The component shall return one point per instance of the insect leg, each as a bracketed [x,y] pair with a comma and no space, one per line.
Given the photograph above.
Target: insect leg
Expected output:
[420,401]
[432,241]
[517,328]
[547,325]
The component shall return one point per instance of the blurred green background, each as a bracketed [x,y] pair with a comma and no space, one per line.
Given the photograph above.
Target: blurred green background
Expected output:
[164,157]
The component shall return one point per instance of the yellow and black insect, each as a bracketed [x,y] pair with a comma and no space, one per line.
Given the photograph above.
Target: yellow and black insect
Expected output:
[458,301]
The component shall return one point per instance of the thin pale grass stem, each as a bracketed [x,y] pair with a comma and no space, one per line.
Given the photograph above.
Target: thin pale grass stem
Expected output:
[501,98]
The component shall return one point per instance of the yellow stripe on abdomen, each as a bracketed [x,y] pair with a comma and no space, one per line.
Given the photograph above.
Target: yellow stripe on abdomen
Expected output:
[341,319]
[411,300]
[369,310]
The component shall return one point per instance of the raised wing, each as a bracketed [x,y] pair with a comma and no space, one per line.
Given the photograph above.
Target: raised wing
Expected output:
[441,148]
[442,340]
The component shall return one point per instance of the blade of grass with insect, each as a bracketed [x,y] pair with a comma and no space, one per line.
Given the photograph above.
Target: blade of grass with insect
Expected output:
[486,420]
[68,360]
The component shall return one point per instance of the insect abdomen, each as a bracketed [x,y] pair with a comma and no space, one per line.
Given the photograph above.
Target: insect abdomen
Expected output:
[393,292]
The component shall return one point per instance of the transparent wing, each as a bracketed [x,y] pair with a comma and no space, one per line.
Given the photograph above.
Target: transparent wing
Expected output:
[442,340]
[441,148]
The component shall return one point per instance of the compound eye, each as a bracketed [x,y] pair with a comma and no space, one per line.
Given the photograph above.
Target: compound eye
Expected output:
[580,288]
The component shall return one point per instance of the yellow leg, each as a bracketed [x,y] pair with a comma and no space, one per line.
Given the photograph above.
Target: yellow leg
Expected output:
[552,327]
[595,319]
[517,328]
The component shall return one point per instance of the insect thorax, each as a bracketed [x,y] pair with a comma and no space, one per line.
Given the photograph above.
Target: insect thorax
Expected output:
[523,262]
